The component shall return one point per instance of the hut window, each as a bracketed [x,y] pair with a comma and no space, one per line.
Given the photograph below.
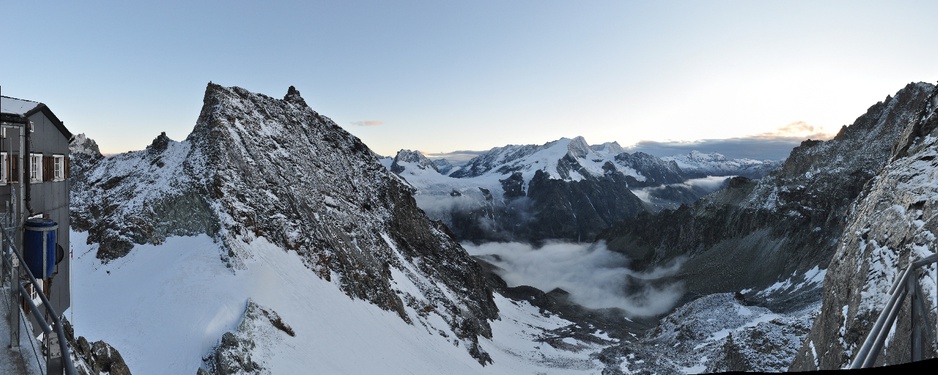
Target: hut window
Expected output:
[58,167]
[4,164]
[35,167]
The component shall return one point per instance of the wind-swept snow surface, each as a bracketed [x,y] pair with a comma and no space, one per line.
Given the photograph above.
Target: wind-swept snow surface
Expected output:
[167,306]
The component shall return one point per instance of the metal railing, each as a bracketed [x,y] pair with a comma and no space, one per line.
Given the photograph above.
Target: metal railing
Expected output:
[58,355]
[878,335]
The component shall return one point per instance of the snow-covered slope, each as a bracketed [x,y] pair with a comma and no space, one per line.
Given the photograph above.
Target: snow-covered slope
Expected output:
[169,306]
[262,170]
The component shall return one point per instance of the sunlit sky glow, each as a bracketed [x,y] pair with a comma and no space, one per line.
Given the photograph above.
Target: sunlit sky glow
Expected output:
[444,76]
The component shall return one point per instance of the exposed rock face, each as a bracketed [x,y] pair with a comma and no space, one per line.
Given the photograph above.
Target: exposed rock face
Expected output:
[83,156]
[655,170]
[577,210]
[892,224]
[782,226]
[259,167]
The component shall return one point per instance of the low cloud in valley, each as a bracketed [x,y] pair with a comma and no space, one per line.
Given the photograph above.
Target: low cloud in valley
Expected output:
[594,276]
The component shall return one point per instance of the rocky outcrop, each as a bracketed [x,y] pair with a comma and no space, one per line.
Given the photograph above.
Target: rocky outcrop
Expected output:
[258,167]
[237,351]
[94,358]
[892,224]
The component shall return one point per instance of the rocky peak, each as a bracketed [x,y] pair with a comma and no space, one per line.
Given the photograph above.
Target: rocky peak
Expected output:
[293,95]
[80,144]
[159,143]
[578,148]
[611,148]
[405,158]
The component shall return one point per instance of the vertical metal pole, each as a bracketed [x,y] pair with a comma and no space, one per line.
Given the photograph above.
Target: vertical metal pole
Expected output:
[14,300]
[916,336]
[44,260]
[54,357]
[17,239]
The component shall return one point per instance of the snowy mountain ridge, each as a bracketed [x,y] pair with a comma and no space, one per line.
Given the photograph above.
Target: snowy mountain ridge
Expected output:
[564,189]
[715,164]
[553,158]
[259,170]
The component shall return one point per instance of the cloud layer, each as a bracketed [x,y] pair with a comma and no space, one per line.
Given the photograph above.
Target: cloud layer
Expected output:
[594,276]
[368,123]
[775,145]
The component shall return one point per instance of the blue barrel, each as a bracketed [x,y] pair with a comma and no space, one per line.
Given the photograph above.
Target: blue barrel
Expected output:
[39,238]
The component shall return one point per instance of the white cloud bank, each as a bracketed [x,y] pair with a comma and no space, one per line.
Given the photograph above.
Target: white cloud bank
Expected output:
[594,276]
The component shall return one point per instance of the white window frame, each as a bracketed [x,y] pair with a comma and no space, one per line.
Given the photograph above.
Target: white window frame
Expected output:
[35,168]
[4,164]
[58,167]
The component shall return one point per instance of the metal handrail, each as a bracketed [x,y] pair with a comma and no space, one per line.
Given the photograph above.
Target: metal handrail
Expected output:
[875,340]
[69,367]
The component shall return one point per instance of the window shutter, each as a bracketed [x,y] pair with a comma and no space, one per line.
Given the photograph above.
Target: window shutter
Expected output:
[68,167]
[47,167]
[14,170]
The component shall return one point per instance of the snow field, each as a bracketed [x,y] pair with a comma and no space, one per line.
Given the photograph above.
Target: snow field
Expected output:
[166,306]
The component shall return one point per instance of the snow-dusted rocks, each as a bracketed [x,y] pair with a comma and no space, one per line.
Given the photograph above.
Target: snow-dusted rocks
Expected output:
[892,224]
[256,168]
[716,333]
[259,331]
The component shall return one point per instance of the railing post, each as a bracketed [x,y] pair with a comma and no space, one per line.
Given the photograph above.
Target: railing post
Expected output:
[916,336]
[54,359]
[14,299]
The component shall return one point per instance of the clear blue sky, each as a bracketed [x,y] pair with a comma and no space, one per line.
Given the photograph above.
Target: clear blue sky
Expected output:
[440,76]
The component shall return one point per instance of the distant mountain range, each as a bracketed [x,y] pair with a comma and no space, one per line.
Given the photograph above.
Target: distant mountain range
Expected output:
[565,189]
